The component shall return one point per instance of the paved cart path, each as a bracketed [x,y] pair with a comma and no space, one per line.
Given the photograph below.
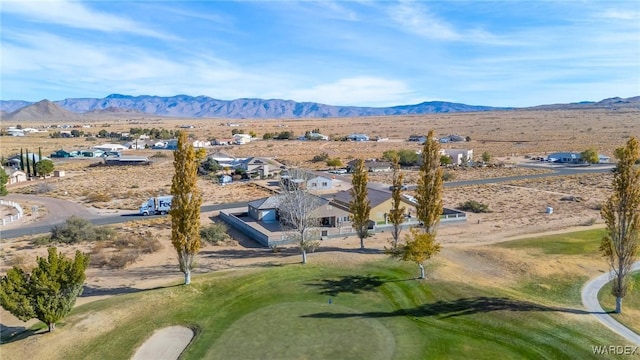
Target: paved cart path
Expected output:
[591,303]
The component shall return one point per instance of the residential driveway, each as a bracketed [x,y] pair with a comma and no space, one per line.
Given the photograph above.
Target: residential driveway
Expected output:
[165,344]
[590,302]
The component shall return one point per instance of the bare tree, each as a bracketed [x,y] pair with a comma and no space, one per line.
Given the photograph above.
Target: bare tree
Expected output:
[621,213]
[297,212]
[396,215]
[360,206]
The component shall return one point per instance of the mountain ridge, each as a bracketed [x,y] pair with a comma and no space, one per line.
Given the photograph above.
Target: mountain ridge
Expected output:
[186,106]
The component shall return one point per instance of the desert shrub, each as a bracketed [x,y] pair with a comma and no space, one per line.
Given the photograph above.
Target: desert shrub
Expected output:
[98,197]
[90,138]
[43,240]
[474,206]
[113,260]
[44,188]
[214,233]
[123,250]
[77,229]
[448,176]
[159,154]
[311,246]
[596,206]
[590,222]
[320,157]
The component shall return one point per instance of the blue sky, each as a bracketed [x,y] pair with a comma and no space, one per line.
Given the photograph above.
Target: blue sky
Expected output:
[363,53]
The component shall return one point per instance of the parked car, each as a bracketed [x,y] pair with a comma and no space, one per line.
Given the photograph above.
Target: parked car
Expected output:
[402,187]
[338,171]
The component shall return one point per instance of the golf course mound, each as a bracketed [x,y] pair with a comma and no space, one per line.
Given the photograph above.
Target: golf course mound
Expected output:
[296,330]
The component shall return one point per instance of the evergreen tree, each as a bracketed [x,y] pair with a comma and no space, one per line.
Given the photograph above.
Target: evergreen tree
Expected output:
[39,154]
[4,179]
[28,166]
[21,160]
[359,205]
[185,206]
[621,213]
[33,164]
[49,292]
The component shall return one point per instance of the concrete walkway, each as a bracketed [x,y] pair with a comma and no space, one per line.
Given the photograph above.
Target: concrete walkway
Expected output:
[591,303]
[165,344]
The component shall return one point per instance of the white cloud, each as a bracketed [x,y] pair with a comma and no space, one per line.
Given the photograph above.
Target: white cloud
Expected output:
[76,15]
[415,18]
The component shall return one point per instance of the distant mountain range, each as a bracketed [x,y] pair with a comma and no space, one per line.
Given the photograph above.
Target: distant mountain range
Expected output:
[185,106]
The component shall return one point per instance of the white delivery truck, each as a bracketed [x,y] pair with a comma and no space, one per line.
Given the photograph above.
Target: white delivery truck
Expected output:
[156,205]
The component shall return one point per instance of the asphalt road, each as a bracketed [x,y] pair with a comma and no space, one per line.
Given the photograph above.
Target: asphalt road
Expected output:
[46,225]
[591,303]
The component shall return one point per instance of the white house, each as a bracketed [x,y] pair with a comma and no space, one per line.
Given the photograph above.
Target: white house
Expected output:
[201,144]
[458,156]
[241,139]
[12,131]
[110,147]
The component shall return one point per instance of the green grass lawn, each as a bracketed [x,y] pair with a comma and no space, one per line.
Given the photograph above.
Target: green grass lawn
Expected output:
[377,311]
[576,243]
[630,303]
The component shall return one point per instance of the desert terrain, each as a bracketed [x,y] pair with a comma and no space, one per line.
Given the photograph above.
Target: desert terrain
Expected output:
[516,208]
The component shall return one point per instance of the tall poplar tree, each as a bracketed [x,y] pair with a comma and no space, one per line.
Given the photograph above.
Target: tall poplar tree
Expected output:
[621,213]
[421,245]
[429,191]
[359,205]
[396,215]
[185,206]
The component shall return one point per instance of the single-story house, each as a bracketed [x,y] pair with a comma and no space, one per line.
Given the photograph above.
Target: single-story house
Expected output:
[201,144]
[61,154]
[418,138]
[167,144]
[452,138]
[306,180]
[15,175]
[14,161]
[225,179]
[224,142]
[358,137]
[255,165]
[566,157]
[12,131]
[110,147]
[90,153]
[317,136]
[241,139]
[265,209]
[127,160]
[603,159]
[458,156]
[381,204]
[371,165]
[327,215]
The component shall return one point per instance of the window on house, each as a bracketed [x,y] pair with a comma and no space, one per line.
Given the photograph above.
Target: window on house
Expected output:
[314,184]
[324,184]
